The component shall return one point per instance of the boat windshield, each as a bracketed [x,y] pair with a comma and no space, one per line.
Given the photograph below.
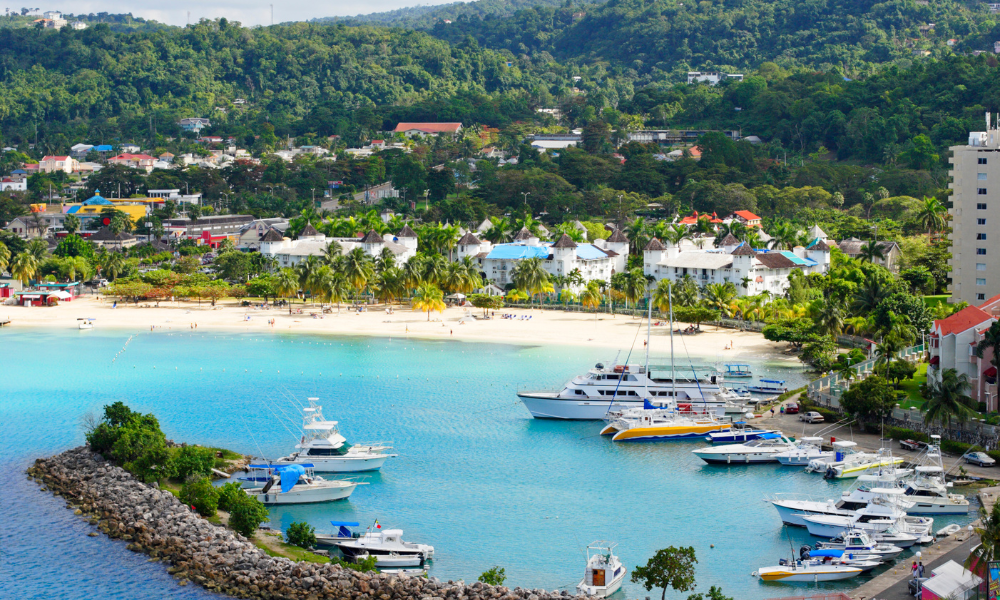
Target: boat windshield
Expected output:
[342,450]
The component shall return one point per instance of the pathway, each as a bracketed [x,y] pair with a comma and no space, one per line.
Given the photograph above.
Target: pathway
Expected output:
[893,584]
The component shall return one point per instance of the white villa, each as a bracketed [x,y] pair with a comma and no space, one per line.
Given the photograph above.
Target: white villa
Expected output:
[599,260]
[310,242]
[735,261]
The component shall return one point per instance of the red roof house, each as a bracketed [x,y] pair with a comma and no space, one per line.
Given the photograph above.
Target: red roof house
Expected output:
[411,129]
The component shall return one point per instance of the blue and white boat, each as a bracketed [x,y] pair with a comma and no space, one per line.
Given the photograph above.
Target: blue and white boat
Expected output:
[343,533]
[296,484]
[768,386]
[737,370]
[740,432]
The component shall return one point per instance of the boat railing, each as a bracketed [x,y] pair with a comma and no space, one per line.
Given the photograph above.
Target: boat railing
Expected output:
[797,497]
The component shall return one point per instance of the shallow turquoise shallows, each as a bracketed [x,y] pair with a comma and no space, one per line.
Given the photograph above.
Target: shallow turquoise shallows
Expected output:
[476,476]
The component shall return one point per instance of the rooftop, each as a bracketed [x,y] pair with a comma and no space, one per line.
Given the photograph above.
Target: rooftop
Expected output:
[963,320]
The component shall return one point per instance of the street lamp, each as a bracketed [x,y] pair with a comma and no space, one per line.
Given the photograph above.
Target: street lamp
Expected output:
[525,194]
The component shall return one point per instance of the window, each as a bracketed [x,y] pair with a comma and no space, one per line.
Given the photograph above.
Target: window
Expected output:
[980,296]
[982,160]
[980,236]
[981,191]
[980,221]
[980,281]
[981,251]
[981,206]
[981,176]
[980,266]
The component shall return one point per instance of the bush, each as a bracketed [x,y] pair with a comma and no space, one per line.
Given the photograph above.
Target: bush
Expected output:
[132,440]
[201,494]
[994,454]
[365,566]
[193,460]
[494,576]
[953,447]
[301,534]
[899,433]
[246,515]
[229,495]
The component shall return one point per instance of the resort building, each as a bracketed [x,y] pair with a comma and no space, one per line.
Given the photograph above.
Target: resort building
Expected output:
[752,271]
[209,230]
[599,260]
[974,275]
[252,233]
[310,242]
[952,345]
[113,241]
[435,129]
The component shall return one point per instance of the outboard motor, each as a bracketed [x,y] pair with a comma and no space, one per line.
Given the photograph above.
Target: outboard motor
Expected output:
[830,473]
[804,552]
[268,485]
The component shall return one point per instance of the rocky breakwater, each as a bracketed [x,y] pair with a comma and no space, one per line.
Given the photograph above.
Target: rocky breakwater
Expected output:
[155,522]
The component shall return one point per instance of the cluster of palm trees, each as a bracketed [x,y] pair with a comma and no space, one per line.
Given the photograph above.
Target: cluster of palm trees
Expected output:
[336,277]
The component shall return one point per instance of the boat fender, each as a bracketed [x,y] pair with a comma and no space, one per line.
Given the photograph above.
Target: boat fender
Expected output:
[754,574]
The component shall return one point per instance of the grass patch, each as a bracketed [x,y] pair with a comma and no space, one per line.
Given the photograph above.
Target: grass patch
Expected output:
[912,388]
[932,301]
[289,551]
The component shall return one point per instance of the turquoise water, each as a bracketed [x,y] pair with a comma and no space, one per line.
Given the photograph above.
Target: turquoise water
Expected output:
[476,476]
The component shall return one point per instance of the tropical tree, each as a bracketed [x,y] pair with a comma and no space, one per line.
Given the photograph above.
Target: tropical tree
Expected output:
[590,297]
[413,272]
[114,264]
[306,272]
[668,568]
[428,297]
[389,285]
[332,252]
[872,251]
[287,283]
[635,285]
[686,291]
[783,235]
[357,267]
[676,233]
[931,215]
[4,257]
[949,399]
[638,234]
[719,296]
[71,224]
[991,341]
[830,319]
[24,267]
[987,529]
[530,275]
[501,231]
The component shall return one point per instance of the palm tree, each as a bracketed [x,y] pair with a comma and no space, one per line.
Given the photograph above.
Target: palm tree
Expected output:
[385,260]
[332,252]
[676,234]
[856,325]
[530,276]
[590,297]
[873,290]
[38,248]
[306,272]
[428,297]
[720,296]
[686,293]
[114,264]
[501,231]
[24,267]
[987,528]
[574,277]
[389,285]
[783,235]
[435,269]
[566,296]
[661,296]
[638,234]
[413,272]
[635,286]
[331,286]
[830,319]
[991,341]
[4,257]
[71,224]
[871,251]
[932,215]
[287,283]
[949,398]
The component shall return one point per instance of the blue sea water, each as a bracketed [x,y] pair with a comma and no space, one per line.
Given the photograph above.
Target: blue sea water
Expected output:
[476,476]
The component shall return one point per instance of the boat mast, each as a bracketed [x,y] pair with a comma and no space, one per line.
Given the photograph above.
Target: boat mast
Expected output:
[649,327]
[673,378]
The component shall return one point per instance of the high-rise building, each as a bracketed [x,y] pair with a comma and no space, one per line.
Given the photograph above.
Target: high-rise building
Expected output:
[975,184]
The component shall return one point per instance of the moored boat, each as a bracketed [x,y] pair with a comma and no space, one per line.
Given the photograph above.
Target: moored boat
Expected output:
[762,450]
[805,450]
[739,432]
[296,484]
[768,386]
[385,542]
[604,573]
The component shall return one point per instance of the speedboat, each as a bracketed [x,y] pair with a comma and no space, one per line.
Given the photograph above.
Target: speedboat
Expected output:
[327,450]
[393,560]
[343,533]
[614,388]
[604,574]
[792,508]
[86,323]
[768,386]
[385,542]
[805,450]
[860,542]
[657,424]
[297,484]
[811,570]
[846,459]
[865,562]
[739,432]
[857,465]
[762,450]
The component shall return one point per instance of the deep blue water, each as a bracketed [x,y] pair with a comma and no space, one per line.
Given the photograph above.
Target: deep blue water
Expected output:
[476,476]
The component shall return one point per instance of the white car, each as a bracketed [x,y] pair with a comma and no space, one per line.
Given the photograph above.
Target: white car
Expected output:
[811,417]
[979,458]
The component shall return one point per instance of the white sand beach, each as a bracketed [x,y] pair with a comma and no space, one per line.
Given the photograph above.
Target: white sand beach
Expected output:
[543,327]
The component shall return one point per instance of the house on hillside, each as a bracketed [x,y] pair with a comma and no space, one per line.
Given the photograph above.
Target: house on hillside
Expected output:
[747,218]
[25,227]
[51,164]
[412,129]
[852,247]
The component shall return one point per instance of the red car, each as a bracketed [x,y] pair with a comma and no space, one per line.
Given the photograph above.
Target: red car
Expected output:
[791,408]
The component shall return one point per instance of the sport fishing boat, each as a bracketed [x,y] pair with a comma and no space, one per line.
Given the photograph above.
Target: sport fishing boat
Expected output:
[805,450]
[812,570]
[792,508]
[604,573]
[881,514]
[657,424]
[740,432]
[384,542]
[928,489]
[296,484]
[327,450]
[768,386]
[859,542]
[617,387]
[844,453]
[762,450]
[854,467]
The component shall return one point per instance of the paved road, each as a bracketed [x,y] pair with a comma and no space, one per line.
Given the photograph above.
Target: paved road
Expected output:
[900,590]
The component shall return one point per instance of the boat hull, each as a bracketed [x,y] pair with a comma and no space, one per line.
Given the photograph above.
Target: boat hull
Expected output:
[305,496]
[851,471]
[341,464]
[801,460]
[930,508]
[807,575]
[736,459]
[670,432]
[794,512]
[597,591]
[543,405]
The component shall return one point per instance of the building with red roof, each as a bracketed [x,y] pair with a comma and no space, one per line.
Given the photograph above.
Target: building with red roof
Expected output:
[693,218]
[952,345]
[136,161]
[746,217]
[412,129]
[51,164]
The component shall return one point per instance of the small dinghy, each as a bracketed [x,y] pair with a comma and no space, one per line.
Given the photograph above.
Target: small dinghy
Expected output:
[949,530]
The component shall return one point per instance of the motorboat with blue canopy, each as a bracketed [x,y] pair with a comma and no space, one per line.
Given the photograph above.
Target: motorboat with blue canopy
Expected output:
[738,370]
[768,386]
[342,533]
[740,432]
[297,484]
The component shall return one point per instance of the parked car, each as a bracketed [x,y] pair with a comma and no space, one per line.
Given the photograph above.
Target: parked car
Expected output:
[791,408]
[979,458]
[811,417]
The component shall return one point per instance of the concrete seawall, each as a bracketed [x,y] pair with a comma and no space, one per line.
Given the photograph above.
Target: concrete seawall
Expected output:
[155,522]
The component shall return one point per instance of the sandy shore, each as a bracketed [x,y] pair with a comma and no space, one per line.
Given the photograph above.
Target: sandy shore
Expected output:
[544,327]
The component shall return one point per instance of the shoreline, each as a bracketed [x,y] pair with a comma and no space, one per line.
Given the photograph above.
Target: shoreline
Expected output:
[528,327]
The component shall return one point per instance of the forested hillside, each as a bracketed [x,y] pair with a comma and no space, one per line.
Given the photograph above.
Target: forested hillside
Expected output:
[424,17]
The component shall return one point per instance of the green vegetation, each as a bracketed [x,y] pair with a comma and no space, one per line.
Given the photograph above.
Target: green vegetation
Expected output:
[912,388]
[291,552]
[301,534]
[669,568]
[246,514]
[199,492]
[132,440]
[193,460]
[493,576]
[365,566]
[230,495]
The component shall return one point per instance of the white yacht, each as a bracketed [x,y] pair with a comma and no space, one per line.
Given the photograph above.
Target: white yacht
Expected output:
[604,574]
[658,424]
[384,542]
[762,450]
[617,387]
[811,570]
[881,514]
[848,462]
[806,449]
[928,489]
[294,484]
[327,450]
[792,508]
